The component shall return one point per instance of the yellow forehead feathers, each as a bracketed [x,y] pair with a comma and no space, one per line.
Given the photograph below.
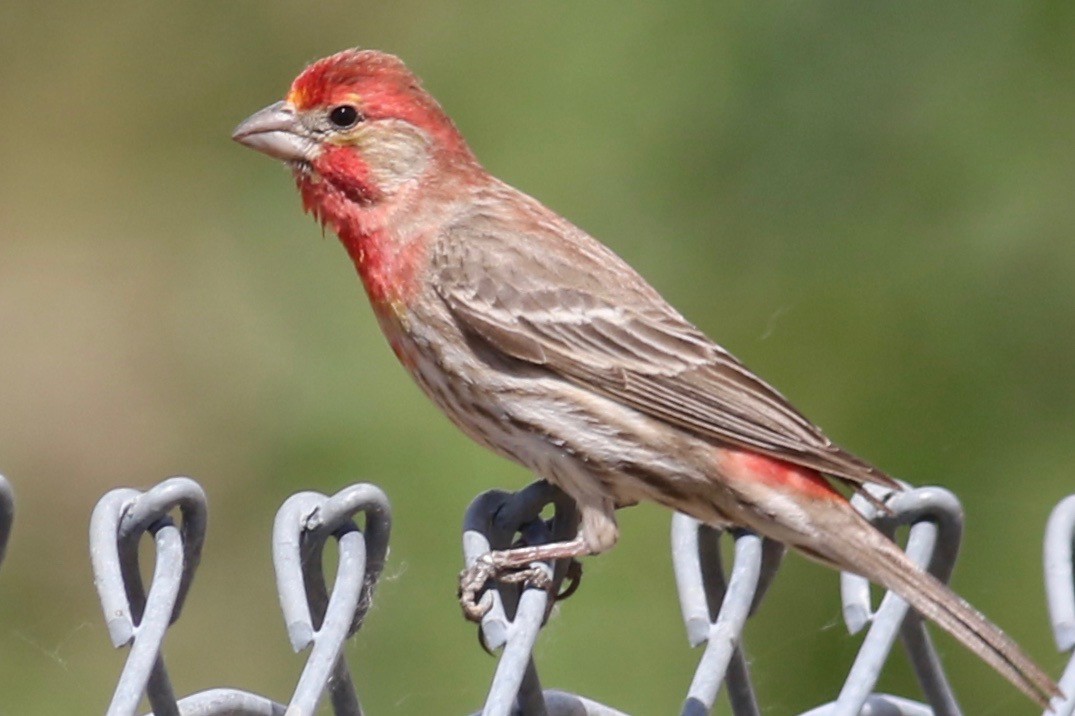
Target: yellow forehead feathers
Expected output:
[302,98]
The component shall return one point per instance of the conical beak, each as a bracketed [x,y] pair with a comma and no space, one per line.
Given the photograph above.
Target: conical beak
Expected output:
[276,131]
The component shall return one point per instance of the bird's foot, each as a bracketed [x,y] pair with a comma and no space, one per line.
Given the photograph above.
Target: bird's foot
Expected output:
[489,567]
[515,566]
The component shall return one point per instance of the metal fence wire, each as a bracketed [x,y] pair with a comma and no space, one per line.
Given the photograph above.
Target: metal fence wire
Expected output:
[715,602]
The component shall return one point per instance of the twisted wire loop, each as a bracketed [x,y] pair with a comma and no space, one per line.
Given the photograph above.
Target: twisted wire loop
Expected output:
[135,617]
[516,612]
[1060,595]
[935,519]
[313,615]
[7,514]
[715,608]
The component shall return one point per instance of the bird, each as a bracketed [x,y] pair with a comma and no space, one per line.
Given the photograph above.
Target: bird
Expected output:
[547,348]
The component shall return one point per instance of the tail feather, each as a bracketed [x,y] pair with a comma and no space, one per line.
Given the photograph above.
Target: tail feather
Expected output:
[796,505]
[884,563]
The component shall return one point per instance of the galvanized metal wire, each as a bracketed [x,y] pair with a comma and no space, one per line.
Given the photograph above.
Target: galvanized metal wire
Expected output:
[315,617]
[715,608]
[7,514]
[715,603]
[517,613]
[935,518]
[1060,594]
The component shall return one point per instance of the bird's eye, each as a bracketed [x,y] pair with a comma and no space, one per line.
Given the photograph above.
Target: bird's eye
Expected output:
[345,116]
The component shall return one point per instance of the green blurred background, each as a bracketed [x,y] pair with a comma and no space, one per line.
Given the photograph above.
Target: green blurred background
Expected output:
[870,204]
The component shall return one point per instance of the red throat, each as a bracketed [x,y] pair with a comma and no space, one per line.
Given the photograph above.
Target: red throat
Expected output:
[388,266]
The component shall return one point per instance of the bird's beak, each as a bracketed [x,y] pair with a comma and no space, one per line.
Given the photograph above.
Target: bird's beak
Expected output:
[276,131]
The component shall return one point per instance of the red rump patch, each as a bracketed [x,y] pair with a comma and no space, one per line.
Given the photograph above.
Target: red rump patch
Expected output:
[780,473]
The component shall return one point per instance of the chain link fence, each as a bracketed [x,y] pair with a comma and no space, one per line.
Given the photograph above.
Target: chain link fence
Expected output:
[715,602]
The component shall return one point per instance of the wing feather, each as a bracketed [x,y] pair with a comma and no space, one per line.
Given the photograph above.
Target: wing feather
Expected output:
[557,298]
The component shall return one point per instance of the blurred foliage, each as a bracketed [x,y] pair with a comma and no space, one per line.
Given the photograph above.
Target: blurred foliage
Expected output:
[870,204]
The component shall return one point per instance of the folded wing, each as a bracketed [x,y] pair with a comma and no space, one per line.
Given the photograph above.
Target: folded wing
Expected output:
[577,309]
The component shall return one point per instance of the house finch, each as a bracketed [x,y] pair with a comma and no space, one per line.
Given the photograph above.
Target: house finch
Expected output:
[544,346]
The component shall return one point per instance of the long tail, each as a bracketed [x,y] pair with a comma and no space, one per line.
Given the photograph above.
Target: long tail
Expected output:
[869,553]
[796,505]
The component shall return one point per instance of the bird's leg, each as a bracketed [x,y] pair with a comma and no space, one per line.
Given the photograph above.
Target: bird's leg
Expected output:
[512,566]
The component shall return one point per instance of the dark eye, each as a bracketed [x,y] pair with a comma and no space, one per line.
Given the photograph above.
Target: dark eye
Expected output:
[344,116]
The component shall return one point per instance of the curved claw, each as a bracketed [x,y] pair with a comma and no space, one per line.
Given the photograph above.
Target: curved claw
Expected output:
[500,566]
[475,601]
[511,615]
[573,577]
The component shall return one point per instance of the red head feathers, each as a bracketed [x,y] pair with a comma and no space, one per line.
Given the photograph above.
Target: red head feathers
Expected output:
[380,85]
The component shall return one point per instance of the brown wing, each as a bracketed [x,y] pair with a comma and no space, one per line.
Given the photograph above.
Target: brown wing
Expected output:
[555,297]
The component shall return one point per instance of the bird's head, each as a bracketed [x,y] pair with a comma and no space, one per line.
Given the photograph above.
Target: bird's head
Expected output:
[356,128]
